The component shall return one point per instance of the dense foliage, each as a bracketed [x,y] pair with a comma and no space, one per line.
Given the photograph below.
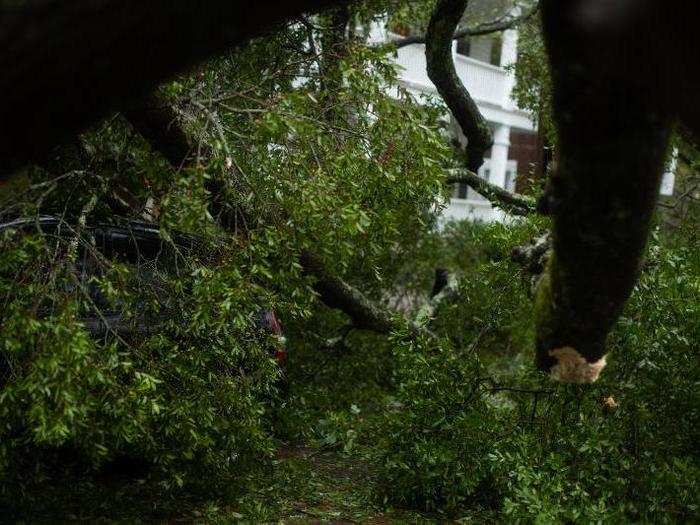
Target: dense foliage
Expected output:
[304,142]
[335,162]
[476,429]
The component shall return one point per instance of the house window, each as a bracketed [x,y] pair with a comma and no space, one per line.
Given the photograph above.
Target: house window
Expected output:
[463,46]
[484,48]
[496,43]
[460,191]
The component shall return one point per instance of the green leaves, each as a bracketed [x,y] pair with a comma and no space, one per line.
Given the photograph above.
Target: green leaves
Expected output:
[456,425]
[541,452]
[185,395]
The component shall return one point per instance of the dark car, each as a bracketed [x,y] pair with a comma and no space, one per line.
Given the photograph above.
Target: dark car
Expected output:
[141,245]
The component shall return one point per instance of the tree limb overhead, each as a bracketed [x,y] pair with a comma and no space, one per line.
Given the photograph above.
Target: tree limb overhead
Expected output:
[610,162]
[65,65]
[508,21]
[441,70]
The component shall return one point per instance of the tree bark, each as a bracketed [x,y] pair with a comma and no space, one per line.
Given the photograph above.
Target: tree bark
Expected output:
[512,203]
[336,293]
[66,64]
[441,70]
[613,135]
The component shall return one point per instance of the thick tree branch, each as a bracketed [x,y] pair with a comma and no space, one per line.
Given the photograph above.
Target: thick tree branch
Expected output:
[442,279]
[334,48]
[508,21]
[441,70]
[158,123]
[532,256]
[445,289]
[65,65]
[336,293]
[607,177]
[512,203]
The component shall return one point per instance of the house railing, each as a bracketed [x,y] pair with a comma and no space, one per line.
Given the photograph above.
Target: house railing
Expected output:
[485,82]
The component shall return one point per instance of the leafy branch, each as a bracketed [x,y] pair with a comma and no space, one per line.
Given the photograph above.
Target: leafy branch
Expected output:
[503,23]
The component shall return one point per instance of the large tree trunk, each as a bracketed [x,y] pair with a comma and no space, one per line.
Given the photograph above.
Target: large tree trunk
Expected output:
[612,70]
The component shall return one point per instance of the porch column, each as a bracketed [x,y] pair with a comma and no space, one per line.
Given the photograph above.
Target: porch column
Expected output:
[499,155]
[509,55]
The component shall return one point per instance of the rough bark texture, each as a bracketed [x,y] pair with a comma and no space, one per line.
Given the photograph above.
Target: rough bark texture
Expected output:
[532,257]
[67,64]
[335,293]
[441,70]
[612,69]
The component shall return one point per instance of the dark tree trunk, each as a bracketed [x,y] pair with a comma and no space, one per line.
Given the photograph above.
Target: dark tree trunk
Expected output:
[611,66]
[441,70]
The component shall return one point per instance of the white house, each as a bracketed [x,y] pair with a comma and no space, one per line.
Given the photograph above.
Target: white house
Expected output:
[482,66]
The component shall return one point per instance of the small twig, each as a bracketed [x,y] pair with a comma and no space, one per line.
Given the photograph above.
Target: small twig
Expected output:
[82,220]
[494,26]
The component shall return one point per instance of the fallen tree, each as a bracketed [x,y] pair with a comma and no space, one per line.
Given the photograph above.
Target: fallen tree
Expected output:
[601,196]
[158,123]
[66,65]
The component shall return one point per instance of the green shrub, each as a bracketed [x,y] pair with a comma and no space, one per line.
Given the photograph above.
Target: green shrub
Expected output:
[439,432]
[193,395]
[187,396]
[479,433]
